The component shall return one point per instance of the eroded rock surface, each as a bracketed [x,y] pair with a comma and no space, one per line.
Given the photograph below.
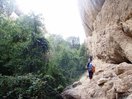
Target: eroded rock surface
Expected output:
[118,86]
[108,27]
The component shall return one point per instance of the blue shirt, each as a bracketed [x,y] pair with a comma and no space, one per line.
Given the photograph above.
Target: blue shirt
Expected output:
[89,66]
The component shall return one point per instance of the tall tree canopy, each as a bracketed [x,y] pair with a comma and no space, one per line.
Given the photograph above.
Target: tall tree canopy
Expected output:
[32,66]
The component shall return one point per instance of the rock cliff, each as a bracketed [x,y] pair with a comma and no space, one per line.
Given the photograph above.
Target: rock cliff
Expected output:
[108,28]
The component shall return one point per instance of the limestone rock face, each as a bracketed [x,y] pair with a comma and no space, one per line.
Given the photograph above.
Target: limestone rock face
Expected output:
[108,27]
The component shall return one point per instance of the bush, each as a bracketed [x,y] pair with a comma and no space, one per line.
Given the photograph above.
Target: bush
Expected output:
[28,86]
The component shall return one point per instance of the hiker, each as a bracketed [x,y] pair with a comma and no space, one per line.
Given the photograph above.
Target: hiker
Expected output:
[90,68]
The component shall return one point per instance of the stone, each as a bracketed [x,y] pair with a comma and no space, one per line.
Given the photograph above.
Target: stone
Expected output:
[127,27]
[68,87]
[108,74]
[122,68]
[111,94]
[120,87]
[99,71]
[75,84]
[70,95]
[101,81]
[129,97]
[107,86]
[119,70]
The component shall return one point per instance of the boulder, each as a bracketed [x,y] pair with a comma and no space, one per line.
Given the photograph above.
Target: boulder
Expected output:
[129,97]
[101,81]
[107,86]
[119,70]
[108,74]
[75,84]
[70,95]
[122,68]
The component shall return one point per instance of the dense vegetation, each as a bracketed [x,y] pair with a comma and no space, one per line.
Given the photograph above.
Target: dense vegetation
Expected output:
[32,66]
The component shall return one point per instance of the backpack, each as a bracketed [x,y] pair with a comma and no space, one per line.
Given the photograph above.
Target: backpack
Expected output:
[93,68]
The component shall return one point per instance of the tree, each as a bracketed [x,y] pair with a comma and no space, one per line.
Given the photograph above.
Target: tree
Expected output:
[32,66]
[21,50]
[74,42]
[7,7]
[71,61]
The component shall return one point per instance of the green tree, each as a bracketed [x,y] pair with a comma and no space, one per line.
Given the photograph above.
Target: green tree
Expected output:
[70,61]
[23,48]
[30,65]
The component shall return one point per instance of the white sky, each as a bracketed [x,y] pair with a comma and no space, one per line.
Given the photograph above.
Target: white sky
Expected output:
[61,16]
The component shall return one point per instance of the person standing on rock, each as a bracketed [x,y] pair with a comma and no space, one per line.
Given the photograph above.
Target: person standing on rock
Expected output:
[90,68]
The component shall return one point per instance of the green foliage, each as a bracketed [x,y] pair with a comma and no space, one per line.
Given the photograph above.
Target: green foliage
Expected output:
[32,67]
[74,42]
[22,48]
[28,86]
[70,61]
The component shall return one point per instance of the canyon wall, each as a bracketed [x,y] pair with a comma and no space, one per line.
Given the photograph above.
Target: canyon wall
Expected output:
[108,27]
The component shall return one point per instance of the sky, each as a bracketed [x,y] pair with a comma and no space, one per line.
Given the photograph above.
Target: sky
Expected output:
[61,16]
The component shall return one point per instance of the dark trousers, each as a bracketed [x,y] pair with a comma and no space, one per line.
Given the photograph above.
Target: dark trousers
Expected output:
[90,74]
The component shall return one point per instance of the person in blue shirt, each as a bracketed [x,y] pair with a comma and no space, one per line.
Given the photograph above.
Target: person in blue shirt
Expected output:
[89,67]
